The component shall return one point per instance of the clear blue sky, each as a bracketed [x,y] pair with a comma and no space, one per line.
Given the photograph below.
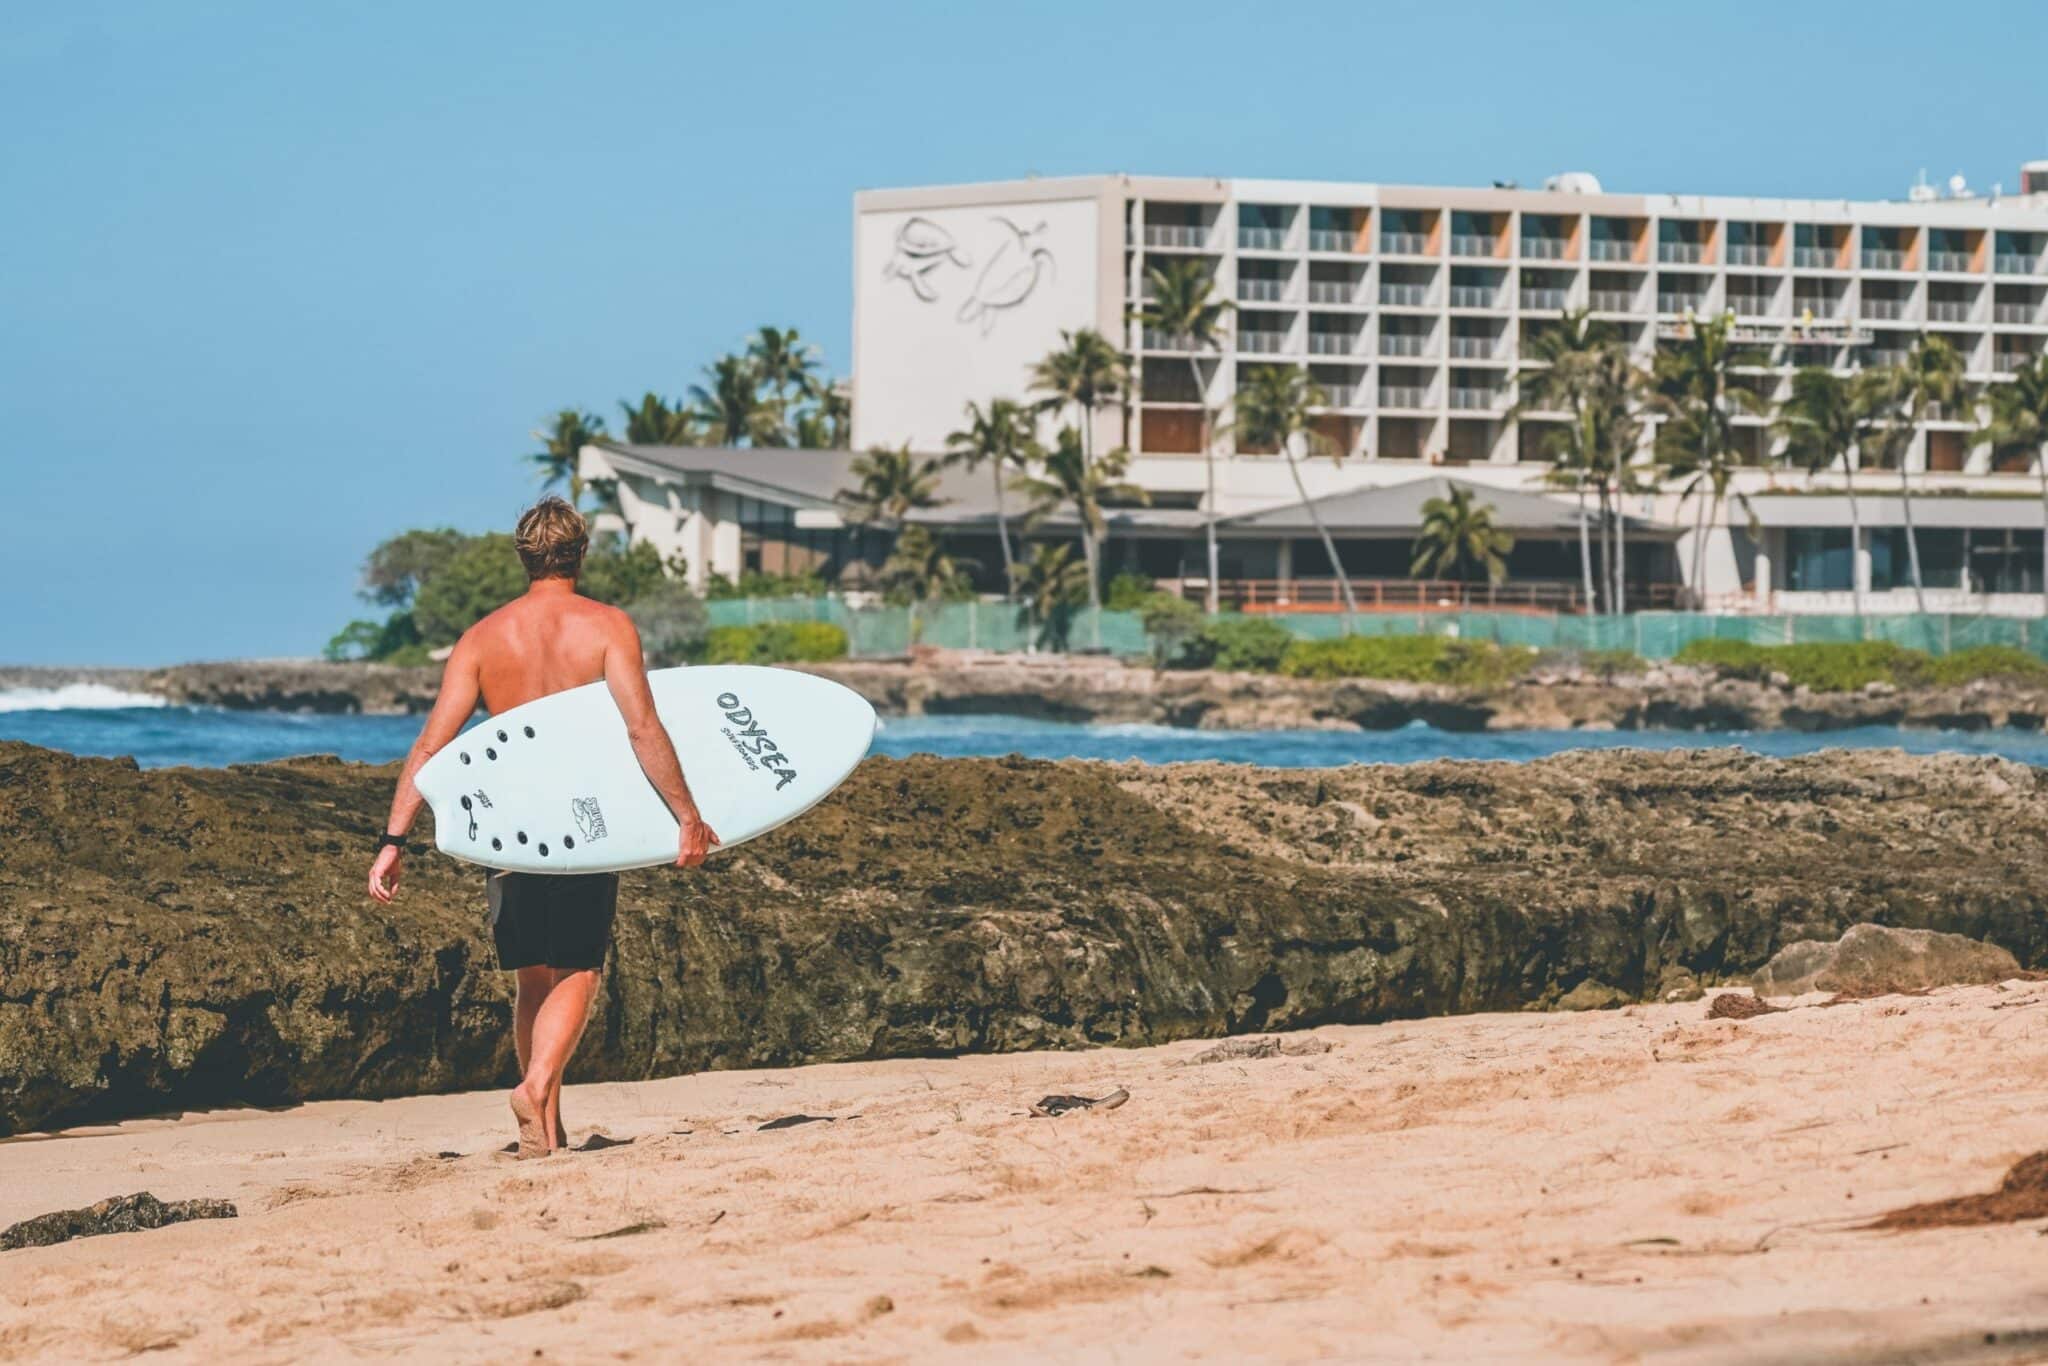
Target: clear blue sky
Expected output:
[278,280]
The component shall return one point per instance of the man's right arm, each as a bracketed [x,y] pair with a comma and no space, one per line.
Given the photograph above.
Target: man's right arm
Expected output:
[625,674]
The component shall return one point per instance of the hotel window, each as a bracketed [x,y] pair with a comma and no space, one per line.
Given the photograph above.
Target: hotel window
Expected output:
[1818,560]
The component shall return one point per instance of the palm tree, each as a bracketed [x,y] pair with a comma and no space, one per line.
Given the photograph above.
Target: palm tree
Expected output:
[1051,588]
[920,571]
[833,404]
[1071,480]
[1275,405]
[1457,537]
[1822,421]
[1697,395]
[571,432]
[1086,371]
[893,484]
[1000,437]
[2019,426]
[783,362]
[656,422]
[1184,306]
[1578,358]
[1930,382]
[729,404]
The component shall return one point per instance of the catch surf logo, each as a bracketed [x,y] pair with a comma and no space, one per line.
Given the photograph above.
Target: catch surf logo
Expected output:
[589,819]
[756,750]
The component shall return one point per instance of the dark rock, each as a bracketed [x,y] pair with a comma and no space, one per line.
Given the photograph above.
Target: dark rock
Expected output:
[188,937]
[1733,1005]
[120,1214]
[1875,960]
[1251,1050]
[1591,995]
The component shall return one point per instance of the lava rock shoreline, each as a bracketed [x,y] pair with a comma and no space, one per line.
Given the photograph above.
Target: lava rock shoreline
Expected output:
[179,938]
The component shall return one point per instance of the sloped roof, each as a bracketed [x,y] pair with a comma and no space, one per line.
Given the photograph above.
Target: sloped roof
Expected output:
[1396,509]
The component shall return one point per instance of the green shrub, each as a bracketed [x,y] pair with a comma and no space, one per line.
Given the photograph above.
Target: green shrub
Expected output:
[1987,661]
[775,642]
[477,578]
[1170,622]
[673,624]
[1409,659]
[1238,644]
[1845,666]
[755,584]
[1128,592]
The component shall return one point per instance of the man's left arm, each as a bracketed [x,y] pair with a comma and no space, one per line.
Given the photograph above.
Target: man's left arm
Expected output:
[452,708]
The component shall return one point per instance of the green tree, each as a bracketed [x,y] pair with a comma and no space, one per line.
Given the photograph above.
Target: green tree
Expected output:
[1275,404]
[893,484]
[1457,537]
[561,442]
[1085,372]
[619,573]
[1822,420]
[1697,398]
[1184,306]
[2018,425]
[729,404]
[1170,622]
[394,571]
[1000,437]
[673,623]
[783,363]
[1902,398]
[656,422]
[1579,359]
[477,580]
[1072,480]
[1050,588]
[922,572]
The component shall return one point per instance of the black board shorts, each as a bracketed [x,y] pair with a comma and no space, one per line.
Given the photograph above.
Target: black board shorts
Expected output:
[552,920]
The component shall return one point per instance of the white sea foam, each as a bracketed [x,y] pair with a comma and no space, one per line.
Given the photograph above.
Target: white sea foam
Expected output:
[75,697]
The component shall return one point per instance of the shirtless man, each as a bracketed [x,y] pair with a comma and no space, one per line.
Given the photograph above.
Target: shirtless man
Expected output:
[552,930]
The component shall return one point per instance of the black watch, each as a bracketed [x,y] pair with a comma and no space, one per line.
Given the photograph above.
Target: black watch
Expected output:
[387,840]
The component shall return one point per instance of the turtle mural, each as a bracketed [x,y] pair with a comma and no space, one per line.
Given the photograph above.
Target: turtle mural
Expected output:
[1012,273]
[922,246]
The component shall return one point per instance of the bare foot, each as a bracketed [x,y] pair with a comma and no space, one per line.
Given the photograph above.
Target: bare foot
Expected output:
[533,1132]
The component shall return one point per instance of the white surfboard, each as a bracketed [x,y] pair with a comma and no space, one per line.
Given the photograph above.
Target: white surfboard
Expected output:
[553,786]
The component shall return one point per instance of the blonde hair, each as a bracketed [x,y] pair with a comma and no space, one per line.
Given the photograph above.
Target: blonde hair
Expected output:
[551,538]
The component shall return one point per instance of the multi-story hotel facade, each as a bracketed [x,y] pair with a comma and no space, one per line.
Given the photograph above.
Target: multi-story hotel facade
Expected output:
[1413,309]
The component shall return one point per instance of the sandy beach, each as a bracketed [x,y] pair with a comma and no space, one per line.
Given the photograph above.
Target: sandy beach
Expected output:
[1642,1184]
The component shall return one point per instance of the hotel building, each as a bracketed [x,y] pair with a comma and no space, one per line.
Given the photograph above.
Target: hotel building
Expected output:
[1414,308]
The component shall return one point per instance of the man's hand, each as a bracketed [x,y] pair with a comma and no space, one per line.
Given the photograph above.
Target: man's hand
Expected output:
[384,874]
[693,842]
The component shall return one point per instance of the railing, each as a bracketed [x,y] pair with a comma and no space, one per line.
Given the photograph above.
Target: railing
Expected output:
[1261,343]
[1680,303]
[1332,343]
[1878,357]
[1262,239]
[1883,258]
[1545,248]
[1814,258]
[1748,254]
[1611,300]
[1478,398]
[1949,310]
[1750,305]
[1346,396]
[1543,298]
[1474,348]
[1261,291]
[1164,385]
[1472,244]
[1332,239]
[1404,243]
[1404,344]
[1420,595]
[1822,309]
[2010,361]
[1611,249]
[1405,296]
[1175,235]
[1156,340]
[1955,262]
[1404,396]
[1332,292]
[2016,263]
[2015,313]
[1883,308]
[1681,253]
[1474,296]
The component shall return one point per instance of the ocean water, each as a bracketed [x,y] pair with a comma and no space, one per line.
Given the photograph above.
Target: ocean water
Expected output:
[94,719]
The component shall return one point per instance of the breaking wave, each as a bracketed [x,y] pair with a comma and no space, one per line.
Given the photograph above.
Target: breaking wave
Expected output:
[75,697]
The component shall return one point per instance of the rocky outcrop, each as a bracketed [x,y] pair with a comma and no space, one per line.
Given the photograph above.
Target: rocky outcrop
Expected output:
[1876,960]
[184,937]
[120,1214]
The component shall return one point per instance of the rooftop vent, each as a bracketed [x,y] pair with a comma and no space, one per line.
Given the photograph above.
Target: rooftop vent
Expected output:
[1585,182]
[2034,178]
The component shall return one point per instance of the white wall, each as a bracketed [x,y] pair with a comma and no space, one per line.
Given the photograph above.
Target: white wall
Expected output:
[956,304]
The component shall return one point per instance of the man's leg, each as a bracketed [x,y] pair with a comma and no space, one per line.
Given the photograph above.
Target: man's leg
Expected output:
[534,985]
[557,1027]
[554,1103]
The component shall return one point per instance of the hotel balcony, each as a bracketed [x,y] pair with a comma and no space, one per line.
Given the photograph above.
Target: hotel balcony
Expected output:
[1545,248]
[1611,300]
[1883,308]
[1822,308]
[1883,258]
[1681,253]
[1481,399]
[1955,262]
[1877,357]
[1262,239]
[1264,291]
[1475,348]
[2024,314]
[1404,396]
[1749,254]
[1472,244]
[1682,303]
[1155,340]
[1814,258]
[1475,296]
[1611,249]
[1261,343]
[1346,396]
[2009,361]
[1333,343]
[1406,344]
[2011,263]
[1333,291]
[1332,239]
[1405,296]
[1751,305]
[1187,236]
[1542,298]
[1404,243]
[1945,311]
